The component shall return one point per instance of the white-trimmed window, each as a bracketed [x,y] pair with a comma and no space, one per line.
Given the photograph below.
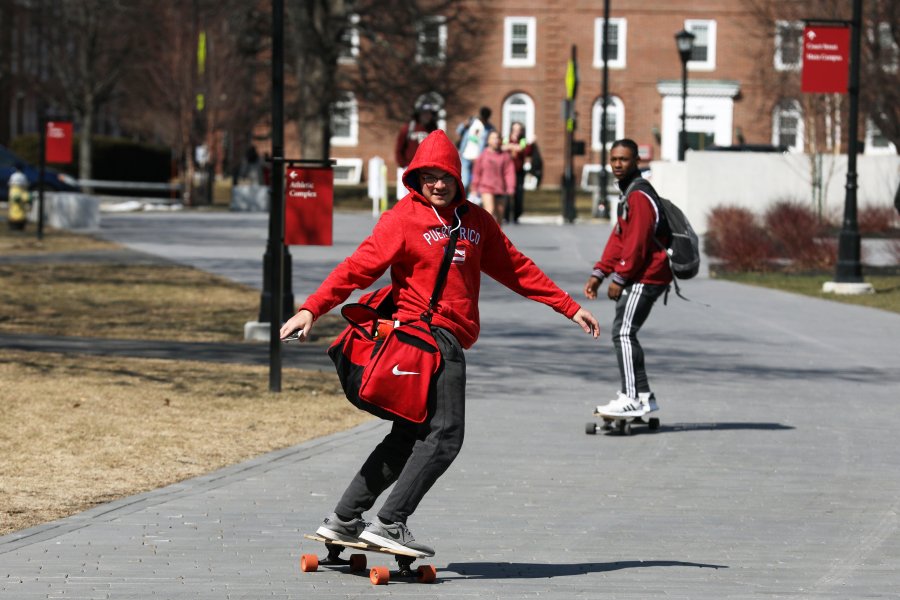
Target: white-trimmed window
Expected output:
[347,171]
[615,48]
[703,56]
[431,40]
[348,50]
[876,142]
[787,125]
[788,45]
[345,121]
[615,121]
[518,107]
[519,41]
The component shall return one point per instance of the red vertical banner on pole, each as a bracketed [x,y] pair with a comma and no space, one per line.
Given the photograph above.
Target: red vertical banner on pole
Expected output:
[59,142]
[308,204]
[826,63]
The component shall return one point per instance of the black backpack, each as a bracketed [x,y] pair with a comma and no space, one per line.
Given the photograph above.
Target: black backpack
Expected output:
[684,245]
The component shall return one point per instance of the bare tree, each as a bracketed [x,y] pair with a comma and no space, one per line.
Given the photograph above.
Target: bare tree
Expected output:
[880,94]
[88,50]
[198,79]
[406,48]
[825,115]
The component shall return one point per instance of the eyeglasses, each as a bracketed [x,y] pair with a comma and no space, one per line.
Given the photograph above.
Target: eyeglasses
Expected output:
[431,180]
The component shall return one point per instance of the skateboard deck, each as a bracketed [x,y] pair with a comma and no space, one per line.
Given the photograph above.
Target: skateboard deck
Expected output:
[621,425]
[378,575]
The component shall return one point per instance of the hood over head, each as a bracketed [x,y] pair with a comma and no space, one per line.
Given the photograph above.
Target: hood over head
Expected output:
[438,152]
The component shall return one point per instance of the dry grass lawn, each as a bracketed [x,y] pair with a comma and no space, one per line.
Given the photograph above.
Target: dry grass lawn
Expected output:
[82,430]
[54,240]
[79,430]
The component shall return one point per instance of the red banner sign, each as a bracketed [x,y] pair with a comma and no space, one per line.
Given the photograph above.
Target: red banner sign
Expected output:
[826,67]
[308,203]
[59,142]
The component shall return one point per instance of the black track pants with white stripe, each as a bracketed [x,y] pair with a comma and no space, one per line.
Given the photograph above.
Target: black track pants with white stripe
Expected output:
[632,309]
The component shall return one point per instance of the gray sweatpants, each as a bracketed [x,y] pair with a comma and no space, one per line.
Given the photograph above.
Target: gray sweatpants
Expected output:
[415,456]
[632,309]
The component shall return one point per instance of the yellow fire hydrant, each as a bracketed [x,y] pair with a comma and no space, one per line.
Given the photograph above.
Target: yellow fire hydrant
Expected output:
[19,201]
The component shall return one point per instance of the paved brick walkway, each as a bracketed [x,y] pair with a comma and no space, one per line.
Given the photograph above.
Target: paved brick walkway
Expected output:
[776,472]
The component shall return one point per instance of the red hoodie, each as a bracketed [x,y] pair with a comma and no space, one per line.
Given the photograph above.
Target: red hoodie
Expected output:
[410,239]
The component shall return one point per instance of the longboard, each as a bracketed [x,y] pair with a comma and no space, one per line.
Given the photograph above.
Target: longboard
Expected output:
[619,424]
[357,562]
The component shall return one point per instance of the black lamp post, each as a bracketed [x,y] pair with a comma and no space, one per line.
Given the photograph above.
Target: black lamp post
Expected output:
[685,41]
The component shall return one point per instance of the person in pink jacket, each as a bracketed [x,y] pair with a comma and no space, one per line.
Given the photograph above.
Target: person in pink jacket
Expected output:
[494,177]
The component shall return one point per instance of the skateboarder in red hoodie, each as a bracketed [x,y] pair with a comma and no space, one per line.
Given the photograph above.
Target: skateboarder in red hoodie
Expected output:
[409,240]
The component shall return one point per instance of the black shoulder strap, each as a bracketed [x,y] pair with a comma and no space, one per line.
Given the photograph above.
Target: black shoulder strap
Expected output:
[449,251]
[643,185]
[641,182]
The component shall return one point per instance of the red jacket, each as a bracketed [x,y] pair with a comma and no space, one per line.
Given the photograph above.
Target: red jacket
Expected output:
[631,255]
[408,139]
[494,173]
[409,240]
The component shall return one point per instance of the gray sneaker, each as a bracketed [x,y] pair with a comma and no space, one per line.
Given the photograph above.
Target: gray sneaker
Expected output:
[395,536]
[333,528]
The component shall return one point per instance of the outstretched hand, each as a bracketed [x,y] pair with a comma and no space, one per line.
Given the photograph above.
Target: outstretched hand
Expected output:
[591,287]
[301,322]
[588,322]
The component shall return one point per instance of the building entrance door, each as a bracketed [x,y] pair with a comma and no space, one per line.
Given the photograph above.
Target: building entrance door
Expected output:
[710,115]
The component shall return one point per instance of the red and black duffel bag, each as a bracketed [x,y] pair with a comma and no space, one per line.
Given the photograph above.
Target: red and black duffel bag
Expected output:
[385,369]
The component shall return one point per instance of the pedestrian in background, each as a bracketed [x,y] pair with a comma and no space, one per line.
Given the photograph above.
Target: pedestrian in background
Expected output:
[472,141]
[520,150]
[423,122]
[494,177]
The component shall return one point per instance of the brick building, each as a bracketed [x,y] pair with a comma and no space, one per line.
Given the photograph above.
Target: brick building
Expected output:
[743,80]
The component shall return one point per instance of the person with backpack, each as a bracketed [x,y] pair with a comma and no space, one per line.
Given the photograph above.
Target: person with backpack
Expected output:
[638,270]
[473,140]
[410,240]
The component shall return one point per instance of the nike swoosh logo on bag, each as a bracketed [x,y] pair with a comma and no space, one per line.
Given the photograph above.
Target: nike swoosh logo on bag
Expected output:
[396,371]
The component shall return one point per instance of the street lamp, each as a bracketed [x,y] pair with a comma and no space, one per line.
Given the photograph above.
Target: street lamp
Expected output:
[685,42]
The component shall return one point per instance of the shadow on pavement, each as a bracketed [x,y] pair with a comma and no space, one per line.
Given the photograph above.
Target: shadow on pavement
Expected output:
[642,429]
[502,570]
[720,426]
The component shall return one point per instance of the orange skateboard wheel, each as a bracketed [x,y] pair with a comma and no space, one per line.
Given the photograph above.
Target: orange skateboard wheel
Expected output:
[427,573]
[357,562]
[309,562]
[379,575]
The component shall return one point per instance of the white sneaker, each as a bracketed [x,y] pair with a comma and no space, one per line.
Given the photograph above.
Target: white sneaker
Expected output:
[623,406]
[649,401]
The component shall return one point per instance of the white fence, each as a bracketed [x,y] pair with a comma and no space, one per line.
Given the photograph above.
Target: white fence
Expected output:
[755,180]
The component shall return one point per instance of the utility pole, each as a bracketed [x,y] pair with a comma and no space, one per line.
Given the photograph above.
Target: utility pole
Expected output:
[604,176]
[274,260]
[568,181]
[848,271]
[849,268]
